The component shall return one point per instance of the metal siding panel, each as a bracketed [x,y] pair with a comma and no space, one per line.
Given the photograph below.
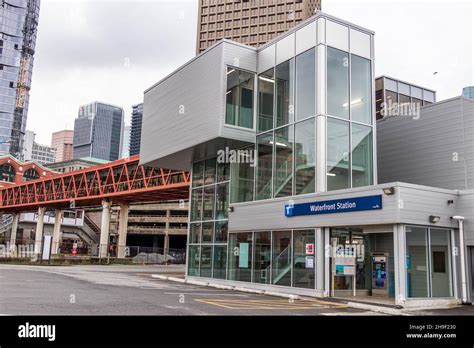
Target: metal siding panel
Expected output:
[195,87]
[421,151]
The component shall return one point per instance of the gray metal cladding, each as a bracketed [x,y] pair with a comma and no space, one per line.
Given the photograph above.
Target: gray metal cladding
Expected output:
[187,108]
[182,110]
[435,150]
[419,203]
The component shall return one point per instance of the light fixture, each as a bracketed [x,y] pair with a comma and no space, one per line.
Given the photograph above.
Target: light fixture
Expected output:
[389,190]
[263,78]
[434,219]
[330,174]
[278,144]
[230,71]
[355,101]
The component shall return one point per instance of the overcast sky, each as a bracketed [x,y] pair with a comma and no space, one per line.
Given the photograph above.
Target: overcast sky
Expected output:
[112,50]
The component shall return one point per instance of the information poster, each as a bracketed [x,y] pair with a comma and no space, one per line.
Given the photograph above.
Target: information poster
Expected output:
[244,255]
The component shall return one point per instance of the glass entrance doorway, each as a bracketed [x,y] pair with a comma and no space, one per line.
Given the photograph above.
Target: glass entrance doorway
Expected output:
[364,258]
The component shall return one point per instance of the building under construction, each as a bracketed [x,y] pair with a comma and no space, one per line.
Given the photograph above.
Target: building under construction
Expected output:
[18,29]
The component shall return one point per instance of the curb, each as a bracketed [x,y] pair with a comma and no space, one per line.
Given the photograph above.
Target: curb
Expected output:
[372,308]
[379,309]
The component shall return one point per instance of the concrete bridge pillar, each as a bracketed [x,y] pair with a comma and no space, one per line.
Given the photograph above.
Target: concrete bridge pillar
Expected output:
[104,228]
[166,246]
[39,230]
[57,235]
[123,225]
[15,217]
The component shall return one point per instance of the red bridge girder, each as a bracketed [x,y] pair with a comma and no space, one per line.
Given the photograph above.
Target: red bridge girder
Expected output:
[122,181]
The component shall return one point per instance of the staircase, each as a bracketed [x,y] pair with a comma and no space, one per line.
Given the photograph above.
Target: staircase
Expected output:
[6,223]
[91,229]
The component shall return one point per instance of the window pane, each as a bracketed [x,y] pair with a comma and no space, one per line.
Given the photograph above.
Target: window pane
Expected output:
[281,258]
[220,234]
[338,83]
[220,259]
[209,201]
[304,259]
[362,156]
[262,257]
[239,98]
[266,83]
[195,233]
[305,84]
[246,100]
[223,172]
[210,171]
[222,201]
[243,177]
[193,260]
[417,277]
[305,172]
[285,79]
[337,154]
[441,279]
[264,166]
[207,229]
[232,96]
[283,174]
[240,257]
[361,100]
[198,174]
[206,261]
[196,204]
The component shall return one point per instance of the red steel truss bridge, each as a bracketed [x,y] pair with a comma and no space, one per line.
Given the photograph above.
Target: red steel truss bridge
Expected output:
[122,181]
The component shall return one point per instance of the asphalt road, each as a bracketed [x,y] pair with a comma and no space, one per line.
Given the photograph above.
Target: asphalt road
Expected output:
[130,290]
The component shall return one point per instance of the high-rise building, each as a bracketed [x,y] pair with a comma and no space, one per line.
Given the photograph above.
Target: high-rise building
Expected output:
[126,142]
[32,151]
[62,142]
[250,22]
[136,129]
[18,28]
[98,131]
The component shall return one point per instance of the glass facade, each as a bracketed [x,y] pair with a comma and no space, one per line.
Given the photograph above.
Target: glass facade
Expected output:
[18,28]
[208,228]
[428,258]
[98,132]
[239,98]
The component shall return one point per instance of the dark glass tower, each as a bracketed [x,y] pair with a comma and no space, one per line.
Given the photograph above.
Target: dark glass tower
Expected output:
[18,28]
[98,132]
[136,130]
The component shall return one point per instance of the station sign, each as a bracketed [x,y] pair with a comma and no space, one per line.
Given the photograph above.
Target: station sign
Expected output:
[334,206]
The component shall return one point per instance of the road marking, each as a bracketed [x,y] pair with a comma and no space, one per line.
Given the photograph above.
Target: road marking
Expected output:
[270,304]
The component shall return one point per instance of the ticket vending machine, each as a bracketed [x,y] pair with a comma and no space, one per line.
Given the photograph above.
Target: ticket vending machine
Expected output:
[380,278]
